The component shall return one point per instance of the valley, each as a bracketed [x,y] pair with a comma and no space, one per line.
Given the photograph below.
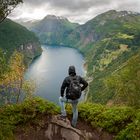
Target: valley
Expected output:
[108,42]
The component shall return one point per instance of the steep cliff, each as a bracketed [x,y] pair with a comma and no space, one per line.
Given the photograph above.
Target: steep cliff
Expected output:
[16,37]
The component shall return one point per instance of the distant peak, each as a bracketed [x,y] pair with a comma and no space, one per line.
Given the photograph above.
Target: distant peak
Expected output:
[123,13]
[130,12]
[55,17]
[50,16]
[113,14]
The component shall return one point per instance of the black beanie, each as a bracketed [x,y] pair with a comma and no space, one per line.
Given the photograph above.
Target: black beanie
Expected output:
[72,70]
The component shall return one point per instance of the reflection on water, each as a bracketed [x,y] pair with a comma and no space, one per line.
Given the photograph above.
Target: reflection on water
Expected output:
[51,68]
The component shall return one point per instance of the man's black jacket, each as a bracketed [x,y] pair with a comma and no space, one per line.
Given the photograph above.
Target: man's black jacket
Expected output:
[66,83]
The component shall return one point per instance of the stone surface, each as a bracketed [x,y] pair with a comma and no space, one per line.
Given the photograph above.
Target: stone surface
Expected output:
[56,129]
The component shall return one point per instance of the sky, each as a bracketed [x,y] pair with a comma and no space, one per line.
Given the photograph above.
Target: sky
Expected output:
[79,11]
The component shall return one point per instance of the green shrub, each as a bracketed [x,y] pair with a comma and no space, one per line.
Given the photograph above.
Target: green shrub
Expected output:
[122,121]
[20,114]
[132,130]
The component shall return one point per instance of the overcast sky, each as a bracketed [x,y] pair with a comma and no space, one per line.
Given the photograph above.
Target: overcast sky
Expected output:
[75,10]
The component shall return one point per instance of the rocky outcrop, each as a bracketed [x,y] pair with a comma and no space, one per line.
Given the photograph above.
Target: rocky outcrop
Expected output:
[63,131]
[55,129]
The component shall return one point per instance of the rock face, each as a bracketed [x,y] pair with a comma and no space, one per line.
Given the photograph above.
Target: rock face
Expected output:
[30,51]
[61,130]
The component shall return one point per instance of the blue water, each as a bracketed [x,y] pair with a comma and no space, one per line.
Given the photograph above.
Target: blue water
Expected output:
[49,70]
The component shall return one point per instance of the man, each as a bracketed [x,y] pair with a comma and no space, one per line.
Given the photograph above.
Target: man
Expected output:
[66,85]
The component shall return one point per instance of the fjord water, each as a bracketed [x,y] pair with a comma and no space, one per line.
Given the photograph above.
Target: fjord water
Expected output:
[49,70]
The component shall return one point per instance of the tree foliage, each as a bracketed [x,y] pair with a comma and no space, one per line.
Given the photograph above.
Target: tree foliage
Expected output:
[3,64]
[6,6]
[12,83]
[12,79]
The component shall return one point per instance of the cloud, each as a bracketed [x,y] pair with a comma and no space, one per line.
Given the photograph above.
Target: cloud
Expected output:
[76,10]
[68,4]
[74,5]
[131,5]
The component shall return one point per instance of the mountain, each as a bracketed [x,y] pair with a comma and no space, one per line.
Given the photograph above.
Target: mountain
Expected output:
[108,23]
[27,24]
[53,30]
[13,36]
[110,43]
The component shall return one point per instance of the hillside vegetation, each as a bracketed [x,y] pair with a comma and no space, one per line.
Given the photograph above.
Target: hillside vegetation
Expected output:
[123,122]
[113,58]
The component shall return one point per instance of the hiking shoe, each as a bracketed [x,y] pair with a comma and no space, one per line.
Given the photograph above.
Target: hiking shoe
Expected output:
[61,117]
[73,125]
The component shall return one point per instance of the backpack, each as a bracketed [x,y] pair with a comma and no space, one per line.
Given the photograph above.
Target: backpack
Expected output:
[74,91]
